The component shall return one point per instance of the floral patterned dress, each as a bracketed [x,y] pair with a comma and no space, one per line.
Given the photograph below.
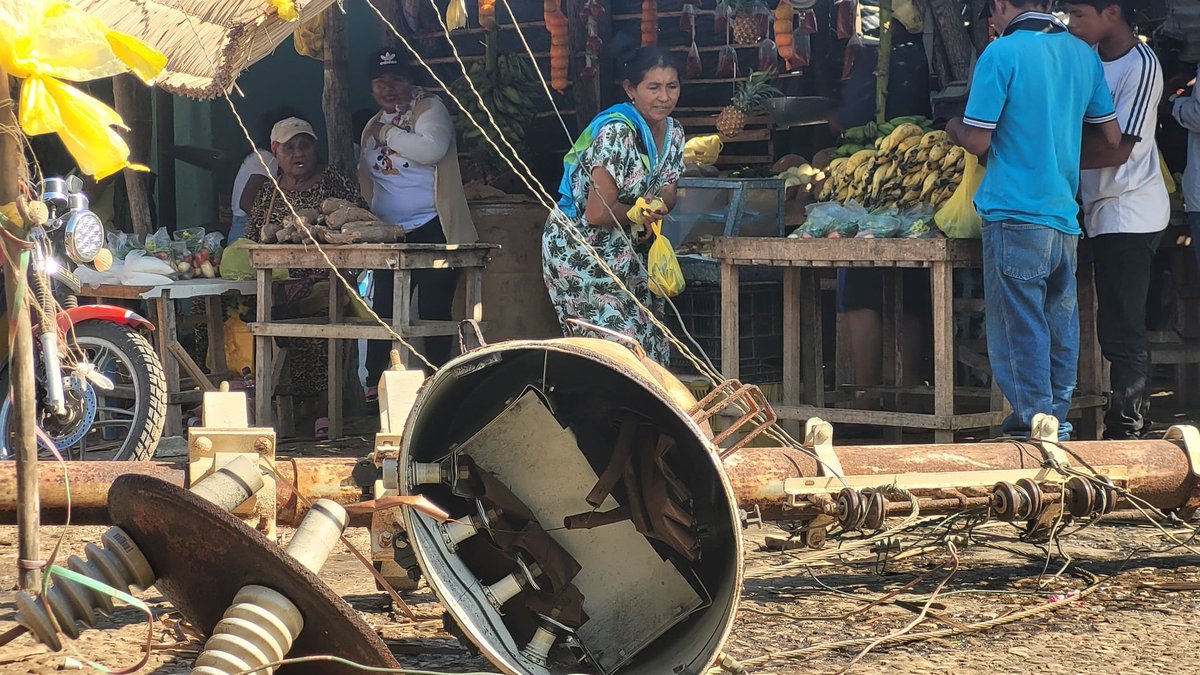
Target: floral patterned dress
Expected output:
[578,287]
[307,358]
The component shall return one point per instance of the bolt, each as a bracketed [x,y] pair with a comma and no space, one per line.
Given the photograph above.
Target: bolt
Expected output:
[262,445]
[385,540]
[202,444]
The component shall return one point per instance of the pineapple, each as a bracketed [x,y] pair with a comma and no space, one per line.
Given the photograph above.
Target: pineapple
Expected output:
[747,97]
[746,28]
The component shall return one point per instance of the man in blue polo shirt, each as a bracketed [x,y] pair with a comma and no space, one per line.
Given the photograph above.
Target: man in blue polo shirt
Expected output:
[1033,91]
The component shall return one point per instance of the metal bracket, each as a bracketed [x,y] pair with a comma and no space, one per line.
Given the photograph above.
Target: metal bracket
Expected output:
[211,447]
[818,437]
[1189,437]
[1045,434]
[578,327]
[726,395]
[470,336]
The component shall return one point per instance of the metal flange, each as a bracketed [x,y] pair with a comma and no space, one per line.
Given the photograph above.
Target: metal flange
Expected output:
[204,556]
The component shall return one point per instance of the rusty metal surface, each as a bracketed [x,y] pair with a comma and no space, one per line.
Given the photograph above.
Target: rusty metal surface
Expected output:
[203,556]
[1158,471]
[315,479]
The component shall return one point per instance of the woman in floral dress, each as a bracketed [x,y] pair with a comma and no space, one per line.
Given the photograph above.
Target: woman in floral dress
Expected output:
[629,151]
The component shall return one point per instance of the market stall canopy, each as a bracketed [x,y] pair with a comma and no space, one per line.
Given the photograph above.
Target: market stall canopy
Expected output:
[207,42]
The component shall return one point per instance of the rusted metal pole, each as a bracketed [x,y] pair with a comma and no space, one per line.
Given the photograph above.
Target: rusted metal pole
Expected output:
[22,441]
[1155,471]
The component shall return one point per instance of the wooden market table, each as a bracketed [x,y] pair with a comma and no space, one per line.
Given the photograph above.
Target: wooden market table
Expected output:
[804,394]
[402,259]
[161,300]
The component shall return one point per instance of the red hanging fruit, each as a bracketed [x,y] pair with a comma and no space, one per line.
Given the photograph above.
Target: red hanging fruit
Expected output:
[721,18]
[803,49]
[853,47]
[768,55]
[808,21]
[847,19]
[762,19]
[649,22]
[687,19]
[727,62]
[694,65]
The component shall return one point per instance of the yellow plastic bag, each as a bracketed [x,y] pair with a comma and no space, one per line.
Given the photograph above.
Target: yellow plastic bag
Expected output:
[666,279]
[235,263]
[958,218]
[1166,174]
[239,344]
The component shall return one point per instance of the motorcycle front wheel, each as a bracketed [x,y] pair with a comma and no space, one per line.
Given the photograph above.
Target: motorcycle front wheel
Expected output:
[125,423]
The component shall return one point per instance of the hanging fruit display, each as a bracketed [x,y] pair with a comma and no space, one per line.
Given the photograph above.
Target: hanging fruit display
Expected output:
[412,14]
[694,66]
[727,62]
[808,21]
[649,22]
[590,12]
[721,17]
[762,18]
[560,52]
[784,42]
[687,19]
[749,95]
[744,16]
[487,14]
[847,19]
[509,89]
[768,54]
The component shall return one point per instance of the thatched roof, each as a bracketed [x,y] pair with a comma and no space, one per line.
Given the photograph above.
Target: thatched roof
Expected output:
[207,42]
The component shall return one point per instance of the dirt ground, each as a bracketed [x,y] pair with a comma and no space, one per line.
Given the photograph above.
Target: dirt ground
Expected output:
[1132,624]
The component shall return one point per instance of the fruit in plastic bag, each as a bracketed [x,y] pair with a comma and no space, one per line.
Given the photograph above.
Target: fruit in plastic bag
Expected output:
[722,15]
[762,19]
[666,277]
[695,67]
[803,49]
[687,19]
[958,218]
[808,21]
[768,56]
[831,220]
[847,19]
[880,224]
[917,223]
[727,62]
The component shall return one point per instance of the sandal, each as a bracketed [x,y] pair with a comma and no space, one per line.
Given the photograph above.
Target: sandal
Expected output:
[321,429]
[372,395]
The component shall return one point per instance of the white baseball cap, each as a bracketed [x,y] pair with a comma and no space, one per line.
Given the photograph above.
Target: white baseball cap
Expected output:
[286,129]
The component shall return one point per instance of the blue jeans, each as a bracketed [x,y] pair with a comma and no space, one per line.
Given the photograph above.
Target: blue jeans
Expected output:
[1032,320]
[1194,223]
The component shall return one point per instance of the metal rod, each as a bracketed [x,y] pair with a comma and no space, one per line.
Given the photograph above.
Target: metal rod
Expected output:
[22,440]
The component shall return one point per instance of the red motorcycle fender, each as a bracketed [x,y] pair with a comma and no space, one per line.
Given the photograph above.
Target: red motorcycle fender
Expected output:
[117,315]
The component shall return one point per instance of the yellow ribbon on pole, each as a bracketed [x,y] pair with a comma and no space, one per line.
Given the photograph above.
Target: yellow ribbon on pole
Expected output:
[45,42]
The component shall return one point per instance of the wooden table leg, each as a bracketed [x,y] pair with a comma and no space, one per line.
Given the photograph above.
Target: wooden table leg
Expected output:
[214,307]
[792,369]
[1091,378]
[264,387]
[402,316]
[892,364]
[164,310]
[475,293]
[942,287]
[730,328]
[812,338]
[336,375]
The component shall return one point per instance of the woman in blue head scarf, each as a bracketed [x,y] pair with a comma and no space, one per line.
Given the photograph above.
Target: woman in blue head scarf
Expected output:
[631,150]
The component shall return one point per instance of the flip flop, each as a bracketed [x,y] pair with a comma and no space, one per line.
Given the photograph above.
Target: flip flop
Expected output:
[321,429]
[372,395]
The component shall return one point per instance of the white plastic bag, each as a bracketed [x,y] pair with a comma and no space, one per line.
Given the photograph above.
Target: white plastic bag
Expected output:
[137,262]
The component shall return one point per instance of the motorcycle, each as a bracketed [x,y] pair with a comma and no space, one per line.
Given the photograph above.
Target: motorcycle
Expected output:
[101,392]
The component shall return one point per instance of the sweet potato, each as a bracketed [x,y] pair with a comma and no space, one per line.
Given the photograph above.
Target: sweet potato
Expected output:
[337,219]
[284,235]
[374,232]
[332,204]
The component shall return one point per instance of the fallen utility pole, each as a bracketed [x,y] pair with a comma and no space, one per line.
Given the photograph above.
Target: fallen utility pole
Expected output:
[22,441]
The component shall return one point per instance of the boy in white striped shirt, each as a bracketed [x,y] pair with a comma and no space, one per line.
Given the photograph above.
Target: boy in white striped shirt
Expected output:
[1125,205]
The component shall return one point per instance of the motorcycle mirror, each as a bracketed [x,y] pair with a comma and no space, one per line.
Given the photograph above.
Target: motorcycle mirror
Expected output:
[74,184]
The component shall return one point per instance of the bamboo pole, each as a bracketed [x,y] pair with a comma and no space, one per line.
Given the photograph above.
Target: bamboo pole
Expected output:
[133,105]
[883,64]
[22,442]
[335,99]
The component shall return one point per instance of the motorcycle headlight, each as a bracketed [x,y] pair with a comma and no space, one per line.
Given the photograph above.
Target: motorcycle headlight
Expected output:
[84,236]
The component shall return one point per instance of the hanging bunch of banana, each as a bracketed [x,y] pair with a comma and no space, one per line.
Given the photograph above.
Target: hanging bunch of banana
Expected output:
[871,134]
[909,166]
[510,90]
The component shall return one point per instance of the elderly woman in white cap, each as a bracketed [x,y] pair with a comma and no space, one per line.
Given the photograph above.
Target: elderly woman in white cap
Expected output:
[409,173]
[307,183]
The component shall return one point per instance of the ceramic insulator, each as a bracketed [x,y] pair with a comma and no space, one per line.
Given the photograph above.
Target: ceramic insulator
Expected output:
[538,649]
[455,532]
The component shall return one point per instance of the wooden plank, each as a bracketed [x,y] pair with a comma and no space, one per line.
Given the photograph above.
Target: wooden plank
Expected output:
[1091,362]
[474,294]
[372,256]
[942,288]
[166,333]
[184,359]
[402,319]
[214,310]
[812,339]
[336,374]
[746,136]
[877,252]
[792,326]
[264,386]
[350,329]
[892,362]
[730,328]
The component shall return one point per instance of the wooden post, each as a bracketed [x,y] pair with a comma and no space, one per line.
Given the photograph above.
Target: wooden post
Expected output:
[23,443]
[133,104]
[335,98]
[164,122]
[587,94]
[883,64]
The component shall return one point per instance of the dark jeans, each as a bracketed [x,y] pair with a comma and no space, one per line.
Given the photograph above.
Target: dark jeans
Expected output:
[435,293]
[1032,320]
[1123,264]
